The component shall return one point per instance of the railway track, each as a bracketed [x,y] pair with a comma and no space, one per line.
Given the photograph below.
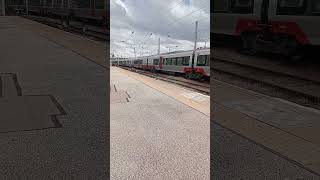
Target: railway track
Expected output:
[200,87]
[301,90]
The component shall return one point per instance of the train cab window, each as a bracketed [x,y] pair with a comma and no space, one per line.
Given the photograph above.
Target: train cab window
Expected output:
[185,61]
[179,61]
[156,62]
[202,60]
[291,7]
[241,6]
[220,6]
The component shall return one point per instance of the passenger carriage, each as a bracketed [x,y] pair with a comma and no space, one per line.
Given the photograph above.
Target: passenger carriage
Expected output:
[279,26]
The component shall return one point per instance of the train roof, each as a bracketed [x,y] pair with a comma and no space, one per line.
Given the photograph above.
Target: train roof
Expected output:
[170,53]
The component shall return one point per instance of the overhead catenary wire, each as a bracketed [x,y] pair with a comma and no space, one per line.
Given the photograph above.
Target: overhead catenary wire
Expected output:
[181,18]
[176,5]
[141,42]
[177,20]
[172,7]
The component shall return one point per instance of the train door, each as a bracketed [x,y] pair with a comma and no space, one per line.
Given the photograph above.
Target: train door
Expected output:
[264,12]
[147,63]
[93,7]
[231,17]
[299,17]
[192,60]
[161,62]
[264,21]
[293,24]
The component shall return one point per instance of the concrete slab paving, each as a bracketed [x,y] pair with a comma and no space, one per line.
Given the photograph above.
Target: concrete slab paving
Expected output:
[199,102]
[155,136]
[78,149]
[25,113]
[286,129]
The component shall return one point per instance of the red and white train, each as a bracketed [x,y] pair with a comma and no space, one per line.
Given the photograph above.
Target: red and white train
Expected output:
[85,10]
[280,26]
[182,62]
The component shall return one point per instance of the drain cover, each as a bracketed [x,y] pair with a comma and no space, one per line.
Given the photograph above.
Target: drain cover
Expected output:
[25,112]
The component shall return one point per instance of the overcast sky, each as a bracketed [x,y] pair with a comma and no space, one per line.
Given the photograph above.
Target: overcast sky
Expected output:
[139,23]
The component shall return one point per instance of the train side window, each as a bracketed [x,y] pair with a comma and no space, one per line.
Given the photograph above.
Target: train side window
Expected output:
[179,61]
[99,4]
[186,60]
[208,60]
[201,60]
[174,61]
[316,7]
[241,6]
[220,6]
[169,61]
[156,62]
[291,7]
[83,4]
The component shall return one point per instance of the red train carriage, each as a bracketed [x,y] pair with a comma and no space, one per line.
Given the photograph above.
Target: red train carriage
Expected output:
[182,62]
[283,26]
[84,10]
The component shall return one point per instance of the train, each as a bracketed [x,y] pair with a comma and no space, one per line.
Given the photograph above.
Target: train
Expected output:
[287,27]
[95,11]
[191,64]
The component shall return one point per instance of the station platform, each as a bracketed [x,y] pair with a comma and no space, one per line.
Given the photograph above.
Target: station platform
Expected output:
[285,129]
[52,103]
[158,130]
[253,136]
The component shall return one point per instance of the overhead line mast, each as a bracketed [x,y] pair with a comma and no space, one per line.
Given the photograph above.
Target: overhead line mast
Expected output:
[195,43]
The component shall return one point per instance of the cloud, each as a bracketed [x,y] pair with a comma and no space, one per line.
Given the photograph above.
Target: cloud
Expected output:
[171,21]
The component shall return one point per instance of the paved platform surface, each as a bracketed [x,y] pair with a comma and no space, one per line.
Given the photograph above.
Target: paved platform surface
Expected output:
[259,137]
[53,103]
[158,130]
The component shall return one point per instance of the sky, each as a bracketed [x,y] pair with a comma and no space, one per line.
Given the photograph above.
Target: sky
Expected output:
[140,23]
